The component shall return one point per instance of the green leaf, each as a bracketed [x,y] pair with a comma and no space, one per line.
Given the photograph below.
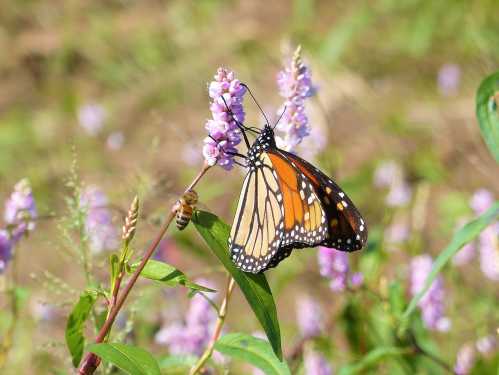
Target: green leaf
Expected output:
[177,363]
[254,286]
[461,238]
[167,274]
[487,103]
[252,350]
[373,357]
[114,264]
[131,359]
[75,340]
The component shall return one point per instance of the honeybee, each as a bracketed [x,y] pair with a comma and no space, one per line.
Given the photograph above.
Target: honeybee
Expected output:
[185,207]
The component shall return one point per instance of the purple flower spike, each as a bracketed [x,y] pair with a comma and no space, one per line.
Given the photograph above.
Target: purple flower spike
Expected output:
[5,250]
[101,232]
[465,360]
[432,303]
[91,118]
[333,264]
[295,85]
[486,345]
[390,175]
[20,210]
[226,93]
[192,336]
[309,316]
[316,364]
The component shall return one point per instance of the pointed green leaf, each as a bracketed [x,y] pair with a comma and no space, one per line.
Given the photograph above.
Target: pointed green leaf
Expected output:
[75,340]
[487,112]
[254,287]
[372,358]
[252,350]
[461,238]
[167,274]
[131,359]
[177,363]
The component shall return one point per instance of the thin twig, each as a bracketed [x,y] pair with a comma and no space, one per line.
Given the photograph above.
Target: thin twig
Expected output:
[92,361]
[218,329]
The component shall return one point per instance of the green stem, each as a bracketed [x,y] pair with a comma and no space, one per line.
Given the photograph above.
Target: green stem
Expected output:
[222,312]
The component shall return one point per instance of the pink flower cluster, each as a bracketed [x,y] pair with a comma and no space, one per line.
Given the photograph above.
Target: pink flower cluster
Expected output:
[227,95]
[99,229]
[191,336]
[432,303]
[295,85]
[20,212]
[334,265]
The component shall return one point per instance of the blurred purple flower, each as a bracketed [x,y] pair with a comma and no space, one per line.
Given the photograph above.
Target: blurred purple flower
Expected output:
[316,364]
[20,209]
[309,316]
[295,85]
[432,303]
[467,252]
[356,280]
[190,154]
[193,335]
[386,173]
[101,232]
[91,118]
[42,311]
[396,234]
[224,134]
[465,360]
[390,175]
[5,250]
[481,201]
[486,344]
[115,140]
[333,264]
[399,194]
[449,77]
[488,245]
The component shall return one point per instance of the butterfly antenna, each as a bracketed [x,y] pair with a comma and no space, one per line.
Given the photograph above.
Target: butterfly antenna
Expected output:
[256,102]
[280,117]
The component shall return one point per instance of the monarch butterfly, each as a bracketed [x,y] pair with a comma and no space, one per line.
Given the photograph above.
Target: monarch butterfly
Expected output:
[286,203]
[185,207]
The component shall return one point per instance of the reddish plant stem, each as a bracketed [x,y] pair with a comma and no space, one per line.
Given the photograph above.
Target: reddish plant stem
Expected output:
[92,361]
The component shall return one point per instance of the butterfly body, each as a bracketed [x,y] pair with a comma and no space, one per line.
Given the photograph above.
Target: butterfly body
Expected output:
[285,204]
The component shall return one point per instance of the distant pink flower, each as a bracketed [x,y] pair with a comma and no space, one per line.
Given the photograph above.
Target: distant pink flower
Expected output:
[467,252]
[101,232]
[20,210]
[390,175]
[295,85]
[481,201]
[316,364]
[488,246]
[5,250]
[333,264]
[115,140]
[465,360]
[432,303]
[227,94]
[192,335]
[396,234]
[91,117]
[309,316]
[487,344]
[449,77]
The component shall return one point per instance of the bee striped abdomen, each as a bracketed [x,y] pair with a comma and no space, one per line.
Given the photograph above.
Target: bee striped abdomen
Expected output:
[185,209]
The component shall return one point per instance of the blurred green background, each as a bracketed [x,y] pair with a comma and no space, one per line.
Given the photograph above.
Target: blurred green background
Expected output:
[143,67]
